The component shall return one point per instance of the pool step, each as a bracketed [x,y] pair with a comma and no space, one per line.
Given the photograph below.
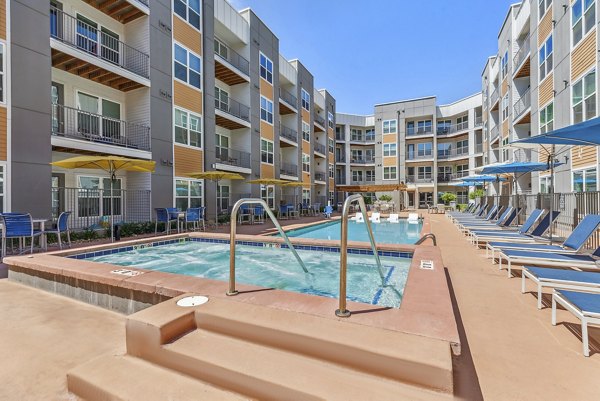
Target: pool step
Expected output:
[120,378]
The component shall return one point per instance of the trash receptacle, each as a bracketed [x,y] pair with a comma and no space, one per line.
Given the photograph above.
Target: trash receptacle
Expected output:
[453,205]
[117,232]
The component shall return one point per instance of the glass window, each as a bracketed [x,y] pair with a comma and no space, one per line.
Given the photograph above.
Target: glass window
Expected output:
[305,131]
[389,173]
[546,58]
[545,185]
[424,172]
[424,149]
[444,149]
[266,110]
[370,174]
[2,208]
[93,198]
[305,100]
[505,107]
[331,144]
[585,180]
[221,99]
[221,49]
[267,193]
[223,196]
[187,66]
[547,118]
[389,149]
[331,171]
[356,134]
[583,18]
[188,193]
[188,128]
[189,10]
[544,5]
[390,126]
[584,98]
[424,126]
[266,68]
[370,134]
[443,126]
[357,175]
[266,151]
[410,128]
[2,73]
[504,64]
[305,163]
[330,119]
[306,196]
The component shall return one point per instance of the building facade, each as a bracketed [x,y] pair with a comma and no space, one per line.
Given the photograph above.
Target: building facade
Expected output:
[194,85]
[418,142]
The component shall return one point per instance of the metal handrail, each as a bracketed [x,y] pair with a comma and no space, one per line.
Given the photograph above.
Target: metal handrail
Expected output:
[342,311]
[232,291]
[426,236]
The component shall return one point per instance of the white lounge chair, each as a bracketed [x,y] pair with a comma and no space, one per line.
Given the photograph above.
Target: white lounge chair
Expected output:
[413,218]
[375,217]
[359,218]
[393,218]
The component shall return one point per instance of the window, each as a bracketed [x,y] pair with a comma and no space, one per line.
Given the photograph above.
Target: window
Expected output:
[546,55]
[505,107]
[389,149]
[330,119]
[266,110]
[390,126]
[357,155]
[370,174]
[266,68]
[462,147]
[267,193]
[444,149]
[505,150]
[547,118]
[424,149]
[188,193]
[389,173]
[583,18]
[187,67]
[584,98]
[331,171]
[331,144]
[585,180]
[188,128]
[443,126]
[2,208]
[545,184]
[305,100]
[544,5]
[305,163]
[444,173]
[424,126]
[357,175]
[222,148]
[305,131]
[221,49]
[306,196]
[93,196]
[99,117]
[189,10]
[424,173]
[332,197]
[2,72]
[370,134]
[410,151]
[462,123]
[266,151]
[462,170]
[223,192]
[356,134]
[221,99]
[504,64]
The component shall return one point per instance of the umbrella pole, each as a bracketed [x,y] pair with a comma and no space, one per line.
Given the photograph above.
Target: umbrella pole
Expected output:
[217,204]
[551,161]
[112,215]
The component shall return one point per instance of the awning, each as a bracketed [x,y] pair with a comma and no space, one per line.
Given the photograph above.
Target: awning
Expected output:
[371,188]
[514,168]
[586,133]
[482,178]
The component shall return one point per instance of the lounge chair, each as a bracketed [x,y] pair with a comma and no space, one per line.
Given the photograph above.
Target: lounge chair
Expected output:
[479,217]
[547,277]
[572,244]
[375,217]
[566,260]
[487,224]
[584,306]
[521,235]
[413,218]
[393,218]
[359,218]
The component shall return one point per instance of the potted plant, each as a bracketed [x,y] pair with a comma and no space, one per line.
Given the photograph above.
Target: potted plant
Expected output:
[385,198]
[448,197]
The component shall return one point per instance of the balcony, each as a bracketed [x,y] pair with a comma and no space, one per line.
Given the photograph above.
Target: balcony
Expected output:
[321,177]
[289,104]
[522,155]
[426,178]
[319,120]
[452,129]
[522,108]
[322,149]
[361,160]
[227,157]
[362,139]
[494,100]
[96,132]
[231,114]
[478,121]
[420,156]
[479,148]
[123,11]
[288,169]
[521,63]
[453,152]
[288,133]
[230,67]
[494,134]
[340,158]
[83,50]
[419,131]
[339,136]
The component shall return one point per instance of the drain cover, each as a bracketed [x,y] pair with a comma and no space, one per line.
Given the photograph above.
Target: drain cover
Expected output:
[192,301]
[427,264]
[126,272]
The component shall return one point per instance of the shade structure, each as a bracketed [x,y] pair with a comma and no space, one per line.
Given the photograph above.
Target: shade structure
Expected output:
[464,184]
[268,181]
[514,168]
[586,133]
[110,164]
[372,188]
[216,176]
[483,178]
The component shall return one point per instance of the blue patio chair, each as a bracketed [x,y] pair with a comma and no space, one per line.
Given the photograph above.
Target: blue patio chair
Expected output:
[195,216]
[521,235]
[258,214]
[283,211]
[584,306]
[19,226]
[564,260]
[62,227]
[328,211]
[245,212]
[164,216]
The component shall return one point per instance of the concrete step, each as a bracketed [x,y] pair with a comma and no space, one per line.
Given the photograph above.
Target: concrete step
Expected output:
[271,373]
[126,378]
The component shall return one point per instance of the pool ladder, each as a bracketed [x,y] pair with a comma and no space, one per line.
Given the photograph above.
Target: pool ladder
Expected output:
[232,291]
[342,311]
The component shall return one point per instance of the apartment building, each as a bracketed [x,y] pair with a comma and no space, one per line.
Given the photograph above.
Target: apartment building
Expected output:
[194,85]
[543,78]
[418,142]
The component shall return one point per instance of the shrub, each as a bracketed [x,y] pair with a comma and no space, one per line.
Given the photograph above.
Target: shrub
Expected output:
[448,197]
[385,198]
[478,193]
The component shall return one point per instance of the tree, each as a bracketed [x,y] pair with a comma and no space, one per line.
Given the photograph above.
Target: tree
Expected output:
[448,197]
[478,193]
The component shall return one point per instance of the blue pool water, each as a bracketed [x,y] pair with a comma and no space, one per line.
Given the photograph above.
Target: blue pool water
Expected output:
[274,267]
[385,233]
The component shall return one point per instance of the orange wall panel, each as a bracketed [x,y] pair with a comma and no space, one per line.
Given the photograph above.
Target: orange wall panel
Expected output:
[584,56]
[188,36]
[266,89]
[267,171]
[545,27]
[187,97]
[266,130]
[546,90]
[187,160]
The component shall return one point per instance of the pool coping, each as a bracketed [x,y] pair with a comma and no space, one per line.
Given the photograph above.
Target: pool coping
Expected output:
[426,309]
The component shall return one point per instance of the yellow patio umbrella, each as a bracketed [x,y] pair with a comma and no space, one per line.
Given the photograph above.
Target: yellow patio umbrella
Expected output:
[216,176]
[110,164]
[268,181]
[297,184]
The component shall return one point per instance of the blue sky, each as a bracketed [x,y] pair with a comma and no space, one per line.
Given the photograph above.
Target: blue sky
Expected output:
[374,51]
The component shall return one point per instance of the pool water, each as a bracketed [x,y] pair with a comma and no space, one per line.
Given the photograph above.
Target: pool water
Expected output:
[384,232]
[274,267]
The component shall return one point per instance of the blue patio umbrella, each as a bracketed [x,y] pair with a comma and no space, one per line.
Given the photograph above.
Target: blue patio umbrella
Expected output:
[464,184]
[482,178]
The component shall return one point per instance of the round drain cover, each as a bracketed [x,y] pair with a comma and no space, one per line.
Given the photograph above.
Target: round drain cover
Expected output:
[192,301]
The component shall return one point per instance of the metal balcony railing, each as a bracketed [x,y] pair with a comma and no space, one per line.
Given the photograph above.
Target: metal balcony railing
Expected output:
[414,131]
[320,148]
[340,158]
[234,59]
[522,104]
[494,133]
[144,2]
[478,121]
[453,152]
[288,98]
[234,108]
[522,54]
[78,124]
[363,182]
[87,38]
[522,155]
[320,176]
[232,157]
[479,148]
[494,97]
[340,180]
[339,136]
[288,133]
[288,169]
[357,160]
[419,179]
[420,155]
[363,138]
[319,120]
[452,129]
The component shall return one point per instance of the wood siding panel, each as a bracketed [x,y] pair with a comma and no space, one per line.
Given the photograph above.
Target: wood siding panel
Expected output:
[504,87]
[305,115]
[3,130]
[584,56]
[267,131]
[187,160]
[305,177]
[546,90]
[305,147]
[187,35]
[187,97]
[390,161]
[266,89]
[389,139]
[583,156]
[331,158]
[267,171]
[3,21]
[545,27]
[505,128]
[542,155]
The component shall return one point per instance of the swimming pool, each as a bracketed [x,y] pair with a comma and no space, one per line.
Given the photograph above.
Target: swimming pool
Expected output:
[268,265]
[385,233]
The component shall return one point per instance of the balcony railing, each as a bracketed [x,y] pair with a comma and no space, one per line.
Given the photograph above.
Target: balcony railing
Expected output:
[453,152]
[494,133]
[414,131]
[522,104]
[234,59]
[78,124]
[319,120]
[340,158]
[84,37]
[420,155]
[494,97]
[478,121]
[340,180]
[358,160]
[288,169]
[288,97]
[479,148]
[288,133]
[320,176]
[234,108]
[522,155]
[339,136]
[320,148]
[363,182]
[522,54]
[419,179]
[451,177]
[452,129]
[232,157]
[363,138]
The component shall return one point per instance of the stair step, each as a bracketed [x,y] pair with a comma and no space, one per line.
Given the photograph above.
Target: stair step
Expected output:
[271,373]
[120,378]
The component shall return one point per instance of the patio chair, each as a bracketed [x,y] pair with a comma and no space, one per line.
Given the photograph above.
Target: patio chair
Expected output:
[393,218]
[258,214]
[486,224]
[328,211]
[375,217]
[521,235]
[584,306]
[195,216]
[245,212]
[283,211]
[62,227]
[572,244]
[565,260]
[441,208]
[163,216]
[19,226]
[413,218]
